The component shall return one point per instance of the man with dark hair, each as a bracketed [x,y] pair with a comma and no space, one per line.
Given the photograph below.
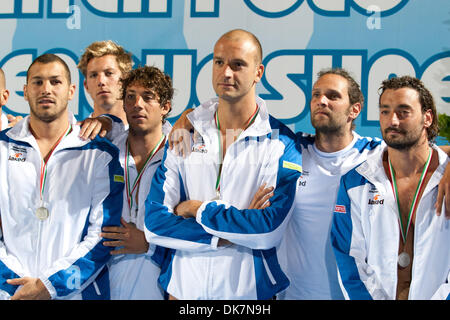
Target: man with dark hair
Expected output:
[147,96]
[59,192]
[384,217]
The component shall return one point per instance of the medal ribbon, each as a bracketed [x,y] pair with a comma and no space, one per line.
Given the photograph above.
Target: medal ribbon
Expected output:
[247,124]
[130,189]
[43,177]
[415,200]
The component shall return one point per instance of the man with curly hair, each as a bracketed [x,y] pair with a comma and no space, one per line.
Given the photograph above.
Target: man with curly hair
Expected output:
[146,94]
[388,240]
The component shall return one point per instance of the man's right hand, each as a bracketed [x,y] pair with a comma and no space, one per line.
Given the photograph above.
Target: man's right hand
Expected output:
[91,127]
[261,198]
[180,136]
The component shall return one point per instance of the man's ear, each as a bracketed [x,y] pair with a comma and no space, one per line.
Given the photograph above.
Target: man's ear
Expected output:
[165,109]
[4,97]
[259,73]
[428,118]
[355,110]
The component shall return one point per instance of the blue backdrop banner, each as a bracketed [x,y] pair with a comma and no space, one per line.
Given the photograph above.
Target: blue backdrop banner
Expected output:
[373,39]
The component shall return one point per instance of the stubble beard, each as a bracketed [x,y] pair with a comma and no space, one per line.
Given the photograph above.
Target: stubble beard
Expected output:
[46,116]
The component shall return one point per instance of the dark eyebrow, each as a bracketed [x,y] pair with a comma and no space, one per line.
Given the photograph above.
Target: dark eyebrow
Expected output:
[51,77]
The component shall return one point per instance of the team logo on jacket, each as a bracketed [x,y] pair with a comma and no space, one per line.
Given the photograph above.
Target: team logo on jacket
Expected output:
[199,144]
[301,181]
[376,200]
[339,209]
[18,154]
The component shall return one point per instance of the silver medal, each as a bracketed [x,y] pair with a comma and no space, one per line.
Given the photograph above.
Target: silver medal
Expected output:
[403,259]
[217,197]
[42,213]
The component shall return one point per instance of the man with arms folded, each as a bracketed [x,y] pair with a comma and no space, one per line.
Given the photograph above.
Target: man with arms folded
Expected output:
[59,192]
[146,93]
[388,241]
[239,147]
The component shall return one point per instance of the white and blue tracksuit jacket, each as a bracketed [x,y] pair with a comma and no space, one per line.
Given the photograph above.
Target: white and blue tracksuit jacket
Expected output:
[365,236]
[135,276]
[248,269]
[305,252]
[83,193]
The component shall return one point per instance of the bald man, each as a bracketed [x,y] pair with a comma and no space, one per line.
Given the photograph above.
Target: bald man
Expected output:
[6,120]
[197,205]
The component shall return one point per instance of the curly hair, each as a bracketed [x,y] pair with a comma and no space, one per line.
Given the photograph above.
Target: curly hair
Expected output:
[102,48]
[425,98]
[152,78]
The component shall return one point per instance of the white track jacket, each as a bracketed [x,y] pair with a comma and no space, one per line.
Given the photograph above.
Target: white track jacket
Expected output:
[135,276]
[83,193]
[247,269]
[365,236]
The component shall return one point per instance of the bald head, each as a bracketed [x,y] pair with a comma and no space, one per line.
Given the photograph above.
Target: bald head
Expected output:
[2,80]
[239,35]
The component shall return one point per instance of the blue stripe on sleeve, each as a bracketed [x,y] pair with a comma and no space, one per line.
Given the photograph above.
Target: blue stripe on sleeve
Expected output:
[264,287]
[160,221]
[5,274]
[97,257]
[341,238]
[255,221]
[367,144]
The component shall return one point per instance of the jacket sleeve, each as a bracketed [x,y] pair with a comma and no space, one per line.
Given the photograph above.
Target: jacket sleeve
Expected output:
[10,268]
[254,228]
[73,273]
[443,292]
[164,228]
[357,279]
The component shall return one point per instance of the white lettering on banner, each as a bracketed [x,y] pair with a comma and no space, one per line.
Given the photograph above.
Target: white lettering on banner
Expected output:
[13,67]
[291,99]
[134,8]
[288,79]
[198,8]
[383,5]
[336,5]
[280,8]
[203,5]
[30,6]
[111,6]
[437,78]
[61,6]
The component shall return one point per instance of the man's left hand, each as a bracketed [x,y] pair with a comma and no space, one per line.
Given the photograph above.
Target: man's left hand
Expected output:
[33,289]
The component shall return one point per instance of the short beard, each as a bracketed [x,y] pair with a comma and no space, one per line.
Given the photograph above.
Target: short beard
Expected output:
[409,140]
[47,118]
[137,132]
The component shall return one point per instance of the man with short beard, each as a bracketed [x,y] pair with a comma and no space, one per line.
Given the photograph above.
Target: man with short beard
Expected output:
[384,219]
[56,194]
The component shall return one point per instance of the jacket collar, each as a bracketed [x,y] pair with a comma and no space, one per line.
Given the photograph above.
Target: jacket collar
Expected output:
[202,118]
[21,132]
[372,169]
